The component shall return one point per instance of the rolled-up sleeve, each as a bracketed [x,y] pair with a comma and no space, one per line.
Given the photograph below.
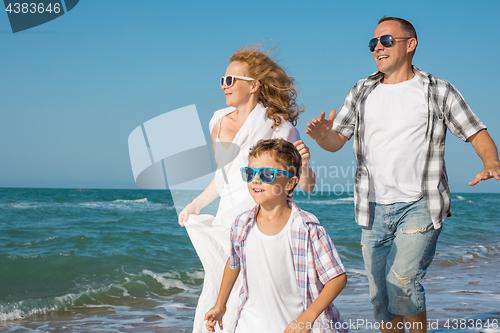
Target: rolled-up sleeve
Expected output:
[326,259]
[234,258]
[346,117]
[459,118]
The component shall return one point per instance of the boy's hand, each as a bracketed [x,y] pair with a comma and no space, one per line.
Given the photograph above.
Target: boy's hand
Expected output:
[302,324]
[213,316]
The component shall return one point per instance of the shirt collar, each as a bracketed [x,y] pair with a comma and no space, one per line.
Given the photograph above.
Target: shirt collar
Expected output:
[423,77]
[298,215]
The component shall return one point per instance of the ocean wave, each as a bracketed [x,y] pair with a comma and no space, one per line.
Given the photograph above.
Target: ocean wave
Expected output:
[137,204]
[356,272]
[132,286]
[33,243]
[339,201]
[143,200]
[468,253]
[120,204]
[171,280]
[26,308]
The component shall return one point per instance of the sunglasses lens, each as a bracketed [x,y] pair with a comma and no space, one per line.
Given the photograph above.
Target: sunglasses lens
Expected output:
[222,81]
[372,44]
[229,81]
[266,175]
[247,174]
[387,40]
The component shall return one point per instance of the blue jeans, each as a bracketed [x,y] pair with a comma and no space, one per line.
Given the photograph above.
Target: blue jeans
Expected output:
[398,246]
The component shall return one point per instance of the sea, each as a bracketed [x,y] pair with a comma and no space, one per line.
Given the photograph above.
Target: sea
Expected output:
[105,260]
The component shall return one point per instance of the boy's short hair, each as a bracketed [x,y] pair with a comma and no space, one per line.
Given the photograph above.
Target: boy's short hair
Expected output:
[283,152]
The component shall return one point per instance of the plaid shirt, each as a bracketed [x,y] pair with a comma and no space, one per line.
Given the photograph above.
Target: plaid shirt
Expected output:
[446,109]
[315,258]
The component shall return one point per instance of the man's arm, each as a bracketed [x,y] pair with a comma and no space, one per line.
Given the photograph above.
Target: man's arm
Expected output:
[306,320]
[215,314]
[321,131]
[487,150]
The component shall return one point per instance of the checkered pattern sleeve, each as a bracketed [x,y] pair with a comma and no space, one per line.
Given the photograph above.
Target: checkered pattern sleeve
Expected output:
[459,118]
[346,116]
[236,229]
[326,258]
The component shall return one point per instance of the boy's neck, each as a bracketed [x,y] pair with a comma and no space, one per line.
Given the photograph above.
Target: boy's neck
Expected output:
[271,219]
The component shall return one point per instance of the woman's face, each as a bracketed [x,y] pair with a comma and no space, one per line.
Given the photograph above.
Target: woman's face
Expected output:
[240,92]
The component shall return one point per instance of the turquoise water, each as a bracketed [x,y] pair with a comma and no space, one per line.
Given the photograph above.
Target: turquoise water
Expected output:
[117,261]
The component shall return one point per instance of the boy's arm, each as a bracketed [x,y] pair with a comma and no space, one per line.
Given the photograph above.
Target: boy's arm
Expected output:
[330,291]
[215,314]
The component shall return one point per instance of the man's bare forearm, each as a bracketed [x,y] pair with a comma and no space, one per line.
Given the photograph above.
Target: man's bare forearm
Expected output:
[332,141]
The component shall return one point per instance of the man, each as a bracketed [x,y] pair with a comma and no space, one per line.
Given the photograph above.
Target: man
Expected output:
[399,117]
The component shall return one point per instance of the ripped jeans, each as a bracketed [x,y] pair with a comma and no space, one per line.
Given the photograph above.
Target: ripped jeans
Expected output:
[398,246]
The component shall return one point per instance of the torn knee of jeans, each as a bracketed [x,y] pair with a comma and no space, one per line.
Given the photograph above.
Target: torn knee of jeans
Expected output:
[414,231]
[402,279]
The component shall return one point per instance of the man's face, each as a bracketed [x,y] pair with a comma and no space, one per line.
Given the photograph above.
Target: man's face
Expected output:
[390,59]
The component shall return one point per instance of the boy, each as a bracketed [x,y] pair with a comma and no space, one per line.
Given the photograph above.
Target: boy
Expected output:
[291,271]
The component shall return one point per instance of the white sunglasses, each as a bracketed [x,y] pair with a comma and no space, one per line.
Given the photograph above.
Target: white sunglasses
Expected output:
[230,79]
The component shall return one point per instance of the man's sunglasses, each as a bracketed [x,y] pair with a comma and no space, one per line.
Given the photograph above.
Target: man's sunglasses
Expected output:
[266,175]
[230,79]
[385,40]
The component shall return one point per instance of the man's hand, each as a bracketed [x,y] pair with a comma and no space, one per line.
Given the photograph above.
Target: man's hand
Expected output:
[488,172]
[318,128]
[487,150]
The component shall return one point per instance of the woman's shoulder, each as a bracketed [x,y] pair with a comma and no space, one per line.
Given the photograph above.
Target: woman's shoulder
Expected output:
[286,131]
[218,115]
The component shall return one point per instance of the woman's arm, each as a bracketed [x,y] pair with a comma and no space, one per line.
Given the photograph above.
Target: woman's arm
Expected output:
[307,180]
[209,195]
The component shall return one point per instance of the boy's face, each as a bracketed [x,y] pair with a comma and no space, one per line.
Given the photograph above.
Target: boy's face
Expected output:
[274,193]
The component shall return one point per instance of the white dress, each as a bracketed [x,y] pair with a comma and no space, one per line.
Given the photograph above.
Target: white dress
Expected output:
[209,234]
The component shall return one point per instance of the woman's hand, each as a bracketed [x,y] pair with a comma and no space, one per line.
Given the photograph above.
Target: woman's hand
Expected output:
[307,180]
[189,209]
[213,316]
[304,152]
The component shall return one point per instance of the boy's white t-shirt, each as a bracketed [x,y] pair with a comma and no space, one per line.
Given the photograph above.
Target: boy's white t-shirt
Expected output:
[274,299]
[394,125]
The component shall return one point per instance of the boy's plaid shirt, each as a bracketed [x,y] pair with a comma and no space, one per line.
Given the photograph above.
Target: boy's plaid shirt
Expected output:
[315,259]
[447,109]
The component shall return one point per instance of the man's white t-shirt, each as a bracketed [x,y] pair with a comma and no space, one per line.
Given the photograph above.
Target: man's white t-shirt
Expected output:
[393,127]
[274,298]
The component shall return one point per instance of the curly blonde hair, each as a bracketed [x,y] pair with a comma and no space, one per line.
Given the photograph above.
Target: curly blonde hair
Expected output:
[277,89]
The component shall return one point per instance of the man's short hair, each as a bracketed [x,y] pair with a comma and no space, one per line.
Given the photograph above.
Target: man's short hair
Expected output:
[407,27]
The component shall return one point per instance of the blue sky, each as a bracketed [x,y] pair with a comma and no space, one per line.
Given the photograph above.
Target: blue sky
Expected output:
[73,89]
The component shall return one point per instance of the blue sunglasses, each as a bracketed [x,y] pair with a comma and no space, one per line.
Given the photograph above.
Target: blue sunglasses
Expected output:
[266,175]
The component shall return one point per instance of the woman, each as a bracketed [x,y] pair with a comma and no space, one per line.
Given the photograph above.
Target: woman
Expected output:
[262,105]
